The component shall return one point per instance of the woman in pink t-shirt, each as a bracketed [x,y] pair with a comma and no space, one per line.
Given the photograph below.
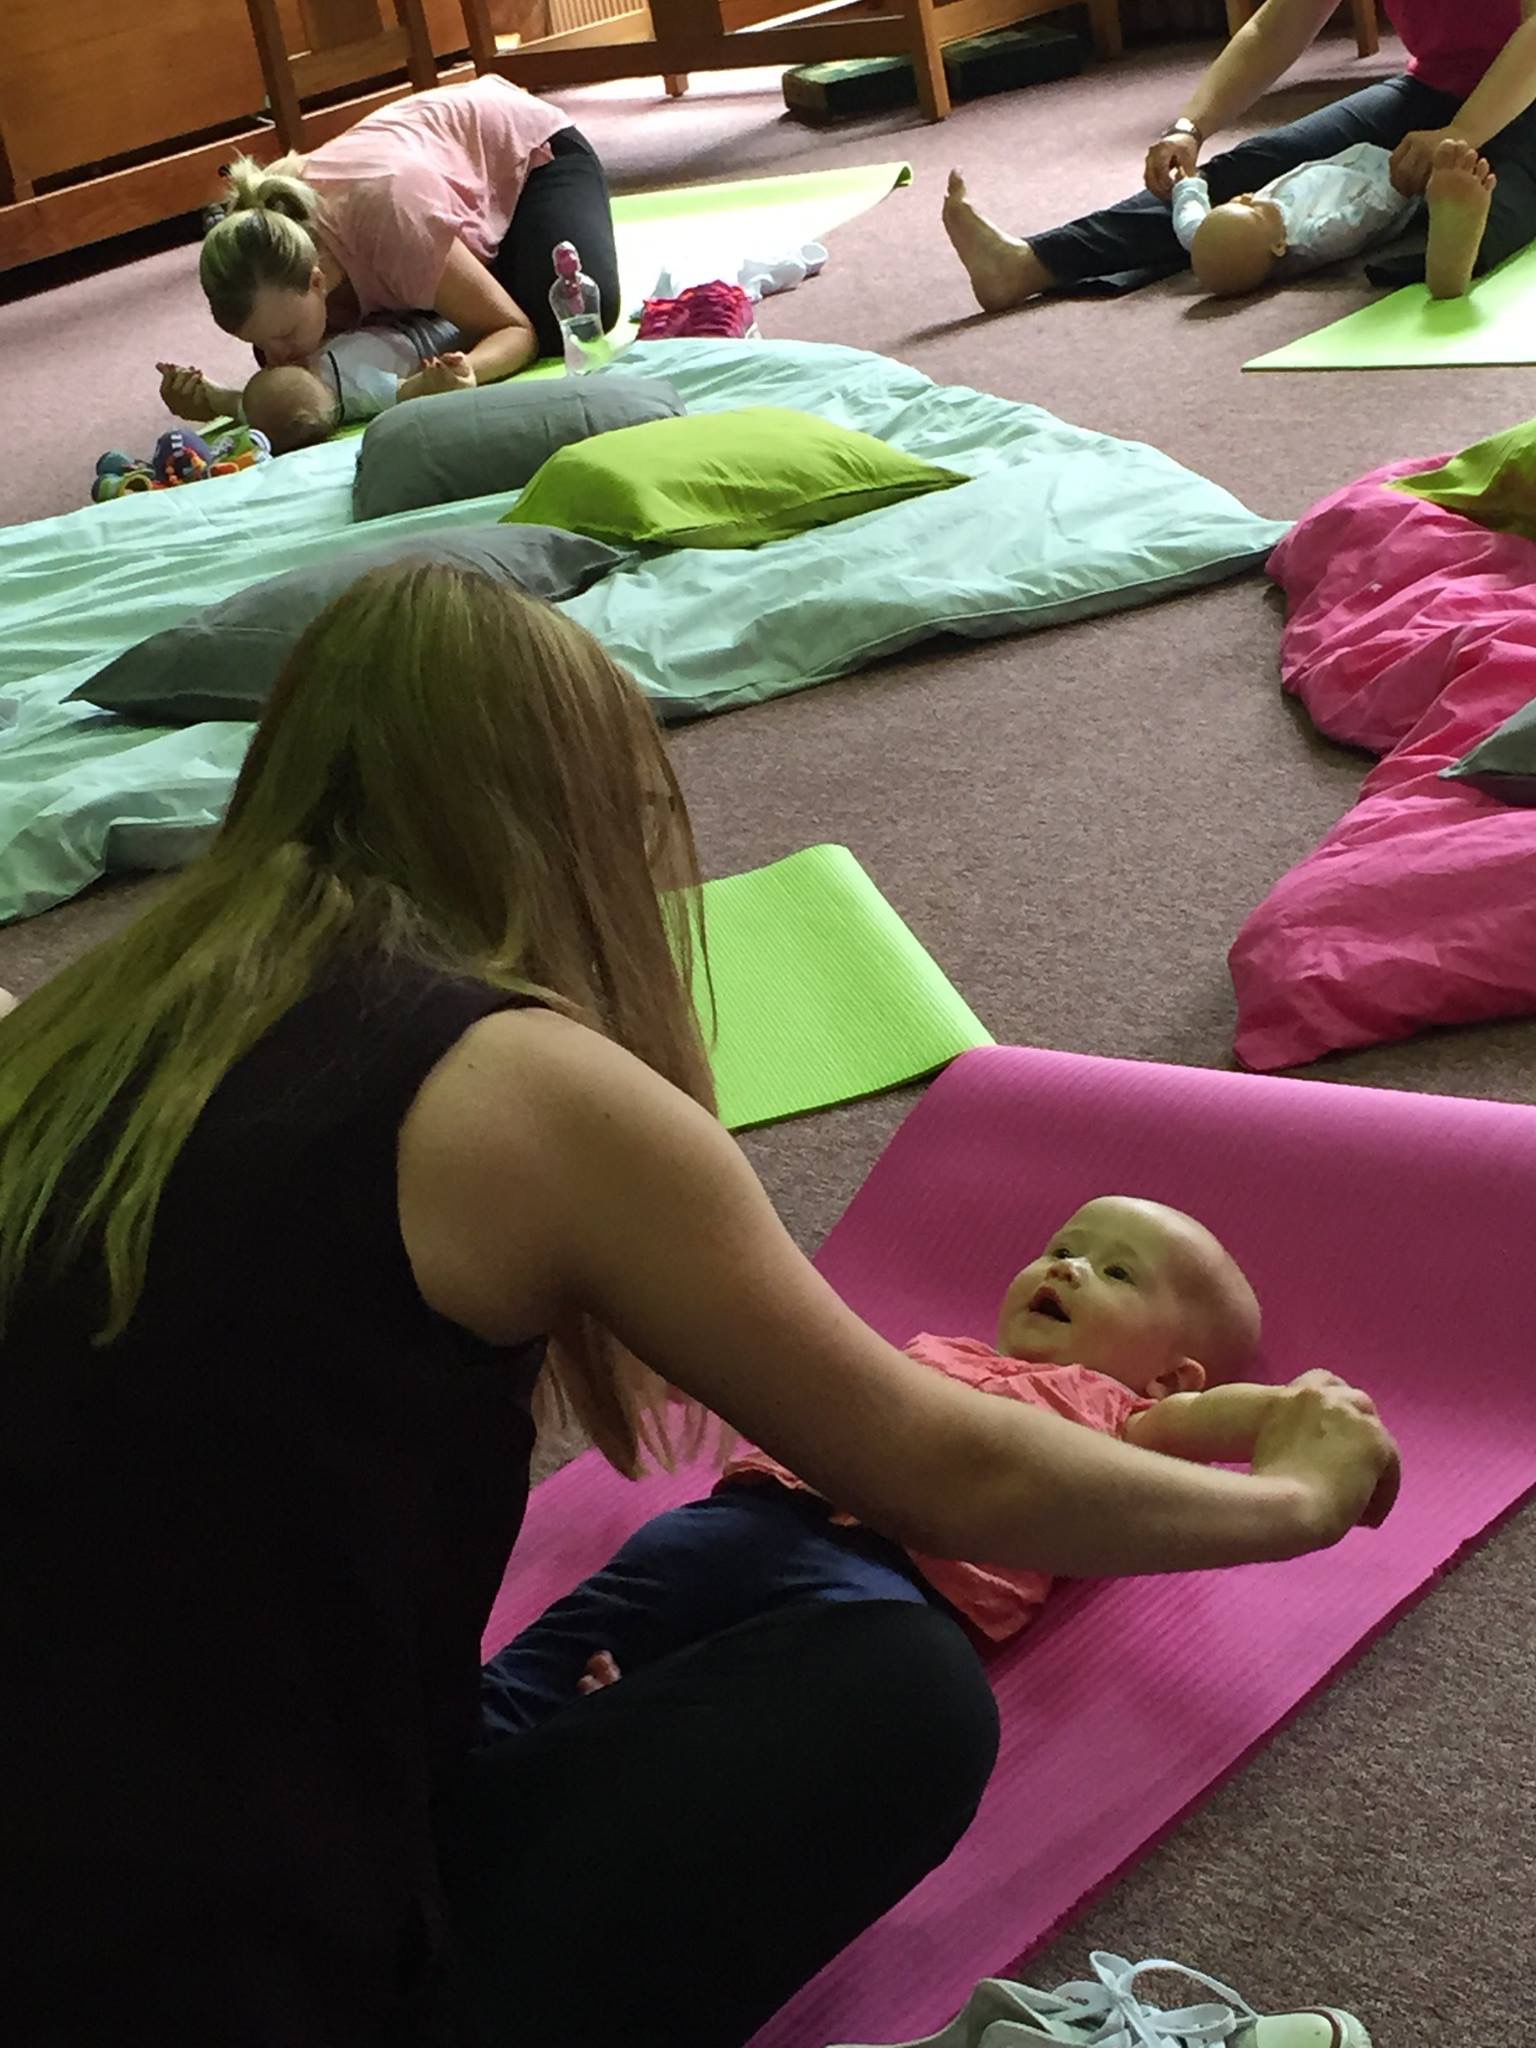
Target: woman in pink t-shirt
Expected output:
[1471,76]
[450,201]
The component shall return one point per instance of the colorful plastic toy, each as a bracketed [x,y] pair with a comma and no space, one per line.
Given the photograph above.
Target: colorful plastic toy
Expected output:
[180,457]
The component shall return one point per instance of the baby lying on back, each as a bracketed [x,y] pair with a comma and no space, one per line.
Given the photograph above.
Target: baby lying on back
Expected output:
[355,376]
[1125,1323]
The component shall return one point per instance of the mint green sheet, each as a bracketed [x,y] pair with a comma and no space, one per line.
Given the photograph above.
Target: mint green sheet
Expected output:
[1056,523]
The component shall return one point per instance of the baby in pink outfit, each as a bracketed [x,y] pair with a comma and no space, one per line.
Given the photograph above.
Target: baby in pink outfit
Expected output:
[1134,1320]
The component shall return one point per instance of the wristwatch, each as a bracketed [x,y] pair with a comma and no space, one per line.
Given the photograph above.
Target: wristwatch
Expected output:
[1183,126]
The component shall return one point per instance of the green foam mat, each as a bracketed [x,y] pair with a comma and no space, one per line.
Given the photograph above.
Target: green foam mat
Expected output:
[1408,330]
[691,227]
[822,994]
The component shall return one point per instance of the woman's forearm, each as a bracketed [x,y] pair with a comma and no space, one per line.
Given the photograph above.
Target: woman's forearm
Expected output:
[1506,89]
[503,353]
[1050,1494]
[1261,52]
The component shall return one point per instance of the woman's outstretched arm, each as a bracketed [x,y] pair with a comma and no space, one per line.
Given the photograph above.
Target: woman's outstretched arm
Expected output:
[1262,51]
[544,1170]
[471,298]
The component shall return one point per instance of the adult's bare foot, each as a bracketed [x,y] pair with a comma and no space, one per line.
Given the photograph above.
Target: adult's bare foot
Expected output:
[1003,271]
[1459,192]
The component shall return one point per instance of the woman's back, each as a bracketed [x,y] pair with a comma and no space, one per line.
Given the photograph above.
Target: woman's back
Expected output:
[250,1548]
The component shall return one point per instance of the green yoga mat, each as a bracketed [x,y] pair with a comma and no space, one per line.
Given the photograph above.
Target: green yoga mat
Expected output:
[695,227]
[1408,330]
[822,994]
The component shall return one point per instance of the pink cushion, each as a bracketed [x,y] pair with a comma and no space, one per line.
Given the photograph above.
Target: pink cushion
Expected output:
[1412,632]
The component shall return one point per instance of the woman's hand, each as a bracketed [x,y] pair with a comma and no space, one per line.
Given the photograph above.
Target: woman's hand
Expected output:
[1327,1435]
[187,393]
[1173,158]
[1414,159]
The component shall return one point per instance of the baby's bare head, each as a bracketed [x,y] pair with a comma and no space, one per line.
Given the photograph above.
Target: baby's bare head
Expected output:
[292,406]
[1237,245]
[1138,1291]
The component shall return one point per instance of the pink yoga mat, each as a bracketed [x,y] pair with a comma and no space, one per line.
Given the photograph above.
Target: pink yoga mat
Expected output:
[1388,1237]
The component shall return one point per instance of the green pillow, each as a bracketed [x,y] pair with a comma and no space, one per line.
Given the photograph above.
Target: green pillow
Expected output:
[722,480]
[1493,482]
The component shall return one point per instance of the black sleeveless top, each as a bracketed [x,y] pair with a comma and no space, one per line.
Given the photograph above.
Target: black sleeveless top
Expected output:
[246,1553]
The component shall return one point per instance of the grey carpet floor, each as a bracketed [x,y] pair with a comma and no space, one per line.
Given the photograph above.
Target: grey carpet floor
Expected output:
[1076,823]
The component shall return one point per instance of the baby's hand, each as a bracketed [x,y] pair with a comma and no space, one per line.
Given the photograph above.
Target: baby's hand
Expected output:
[187,392]
[601,1672]
[450,372]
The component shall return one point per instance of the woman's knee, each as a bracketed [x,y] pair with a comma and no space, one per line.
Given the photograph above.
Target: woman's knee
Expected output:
[908,1698]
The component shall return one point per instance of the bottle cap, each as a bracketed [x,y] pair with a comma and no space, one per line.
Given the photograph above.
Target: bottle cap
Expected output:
[567,262]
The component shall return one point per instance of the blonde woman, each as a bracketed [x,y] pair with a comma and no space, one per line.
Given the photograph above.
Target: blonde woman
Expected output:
[391,1114]
[449,201]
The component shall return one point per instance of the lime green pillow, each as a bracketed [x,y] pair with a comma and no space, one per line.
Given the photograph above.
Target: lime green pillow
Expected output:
[1493,482]
[721,480]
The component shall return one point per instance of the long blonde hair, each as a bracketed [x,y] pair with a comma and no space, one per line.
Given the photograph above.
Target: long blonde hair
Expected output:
[264,238]
[448,773]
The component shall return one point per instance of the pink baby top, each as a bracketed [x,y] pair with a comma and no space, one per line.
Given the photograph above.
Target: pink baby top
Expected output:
[997,1600]
[408,181]
[1451,43]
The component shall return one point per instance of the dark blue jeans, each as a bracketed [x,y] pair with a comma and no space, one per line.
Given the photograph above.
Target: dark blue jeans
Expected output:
[1132,244]
[686,1576]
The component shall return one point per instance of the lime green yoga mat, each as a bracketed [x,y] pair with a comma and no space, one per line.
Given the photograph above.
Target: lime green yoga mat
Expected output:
[1408,330]
[822,994]
[689,228]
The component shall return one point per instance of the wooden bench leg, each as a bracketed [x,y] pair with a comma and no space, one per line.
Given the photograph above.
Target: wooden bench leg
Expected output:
[928,60]
[1104,19]
[1367,27]
[676,83]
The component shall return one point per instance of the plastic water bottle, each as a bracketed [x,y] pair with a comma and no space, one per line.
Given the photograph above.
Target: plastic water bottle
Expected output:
[577,304]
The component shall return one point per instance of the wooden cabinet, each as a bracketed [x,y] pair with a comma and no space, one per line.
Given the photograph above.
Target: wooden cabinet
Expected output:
[114,113]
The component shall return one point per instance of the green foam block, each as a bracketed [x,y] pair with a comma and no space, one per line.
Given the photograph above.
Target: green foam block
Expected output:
[822,994]
[1408,330]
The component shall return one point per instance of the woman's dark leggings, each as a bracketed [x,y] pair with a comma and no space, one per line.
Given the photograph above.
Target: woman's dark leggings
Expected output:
[565,200]
[666,1862]
[1132,244]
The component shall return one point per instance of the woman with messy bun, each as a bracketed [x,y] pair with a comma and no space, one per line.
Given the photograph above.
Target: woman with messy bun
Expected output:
[449,201]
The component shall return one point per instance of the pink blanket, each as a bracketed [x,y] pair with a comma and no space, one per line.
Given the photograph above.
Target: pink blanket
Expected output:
[1132,1699]
[1411,632]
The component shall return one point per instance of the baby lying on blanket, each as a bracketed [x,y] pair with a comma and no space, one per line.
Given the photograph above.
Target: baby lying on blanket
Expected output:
[1327,211]
[1120,1324]
[354,376]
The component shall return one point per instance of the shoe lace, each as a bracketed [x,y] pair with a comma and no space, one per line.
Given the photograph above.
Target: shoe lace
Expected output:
[1124,2021]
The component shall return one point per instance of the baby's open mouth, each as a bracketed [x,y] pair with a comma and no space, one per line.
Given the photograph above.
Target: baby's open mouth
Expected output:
[1047,1303]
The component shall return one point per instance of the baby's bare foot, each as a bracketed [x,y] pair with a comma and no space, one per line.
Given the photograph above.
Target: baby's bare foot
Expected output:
[1003,271]
[1459,192]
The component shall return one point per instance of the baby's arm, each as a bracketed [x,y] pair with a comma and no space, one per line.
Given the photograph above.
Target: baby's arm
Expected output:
[1191,202]
[1220,1427]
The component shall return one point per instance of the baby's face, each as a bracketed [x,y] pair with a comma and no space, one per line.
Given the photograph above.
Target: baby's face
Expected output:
[1110,1291]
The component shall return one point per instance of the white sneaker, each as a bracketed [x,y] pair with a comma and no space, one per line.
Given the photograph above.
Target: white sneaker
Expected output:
[1104,2012]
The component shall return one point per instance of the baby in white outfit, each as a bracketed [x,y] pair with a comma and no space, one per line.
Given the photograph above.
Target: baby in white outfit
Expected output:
[354,376]
[1321,213]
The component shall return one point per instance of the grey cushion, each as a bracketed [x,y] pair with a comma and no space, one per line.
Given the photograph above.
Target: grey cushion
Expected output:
[467,444]
[1504,764]
[222,662]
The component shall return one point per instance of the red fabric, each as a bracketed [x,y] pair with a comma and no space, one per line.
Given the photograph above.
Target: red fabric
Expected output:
[995,1599]
[1451,43]
[718,309]
[1412,632]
